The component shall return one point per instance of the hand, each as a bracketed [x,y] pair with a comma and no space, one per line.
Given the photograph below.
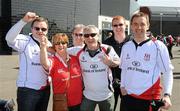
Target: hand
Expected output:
[43,42]
[106,59]
[29,16]
[123,91]
[167,102]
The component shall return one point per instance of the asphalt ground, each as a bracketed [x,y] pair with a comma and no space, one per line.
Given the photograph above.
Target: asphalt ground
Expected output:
[9,71]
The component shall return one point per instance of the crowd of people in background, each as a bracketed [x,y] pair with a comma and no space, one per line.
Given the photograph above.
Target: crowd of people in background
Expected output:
[89,72]
[169,41]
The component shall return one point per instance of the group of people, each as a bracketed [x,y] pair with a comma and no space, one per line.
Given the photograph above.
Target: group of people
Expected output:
[91,73]
[168,41]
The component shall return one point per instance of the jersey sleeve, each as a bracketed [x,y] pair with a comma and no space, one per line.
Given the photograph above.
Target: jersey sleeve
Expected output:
[166,67]
[122,66]
[16,40]
[74,50]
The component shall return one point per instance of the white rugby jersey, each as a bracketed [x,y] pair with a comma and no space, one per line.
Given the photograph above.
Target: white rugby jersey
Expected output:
[142,66]
[31,73]
[97,76]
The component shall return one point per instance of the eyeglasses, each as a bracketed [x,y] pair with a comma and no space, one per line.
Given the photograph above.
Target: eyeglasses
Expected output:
[92,35]
[80,35]
[116,25]
[42,29]
[62,42]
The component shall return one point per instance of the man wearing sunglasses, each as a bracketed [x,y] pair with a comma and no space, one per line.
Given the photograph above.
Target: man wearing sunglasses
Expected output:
[116,41]
[33,88]
[77,35]
[95,62]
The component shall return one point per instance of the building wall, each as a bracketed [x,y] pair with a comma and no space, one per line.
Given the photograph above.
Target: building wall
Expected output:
[62,14]
[115,7]
[5,23]
[168,27]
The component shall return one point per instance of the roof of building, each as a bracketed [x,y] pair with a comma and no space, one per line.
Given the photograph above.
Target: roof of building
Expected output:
[165,11]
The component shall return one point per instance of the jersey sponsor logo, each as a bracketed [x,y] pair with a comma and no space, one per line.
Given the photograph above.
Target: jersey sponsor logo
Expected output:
[60,71]
[93,70]
[35,52]
[136,63]
[138,70]
[127,56]
[93,66]
[83,59]
[146,57]
[35,64]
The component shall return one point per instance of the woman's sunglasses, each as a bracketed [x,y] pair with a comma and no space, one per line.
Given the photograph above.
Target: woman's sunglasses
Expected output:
[62,42]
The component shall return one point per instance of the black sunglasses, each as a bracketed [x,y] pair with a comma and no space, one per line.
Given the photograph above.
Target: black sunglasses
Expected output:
[80,35]
[42,29]
[116,25]
[62,42]
[92,35]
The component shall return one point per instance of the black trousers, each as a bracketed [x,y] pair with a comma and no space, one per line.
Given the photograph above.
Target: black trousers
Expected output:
[134,104]
[32,100]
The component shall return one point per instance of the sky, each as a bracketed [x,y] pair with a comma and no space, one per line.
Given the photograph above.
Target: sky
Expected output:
[166,3]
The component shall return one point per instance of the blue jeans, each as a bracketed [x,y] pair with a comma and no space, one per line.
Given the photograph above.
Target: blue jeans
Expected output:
[32,100]
[106,105]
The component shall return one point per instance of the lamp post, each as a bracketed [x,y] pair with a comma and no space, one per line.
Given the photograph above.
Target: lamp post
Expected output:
[161,16]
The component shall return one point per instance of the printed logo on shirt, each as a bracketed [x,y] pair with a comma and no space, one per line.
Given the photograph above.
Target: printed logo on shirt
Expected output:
[93,66]
[60,71]
[127,56]
[35,64]
[83,59]
[138,70]
[147,57]
[35,52]
[136,63]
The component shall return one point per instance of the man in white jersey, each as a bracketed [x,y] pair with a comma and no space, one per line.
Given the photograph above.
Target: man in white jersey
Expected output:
[142,61]
[33,88]
[95,61]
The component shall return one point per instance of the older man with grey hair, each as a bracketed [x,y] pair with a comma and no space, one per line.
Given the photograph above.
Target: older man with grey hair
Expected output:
[95,60]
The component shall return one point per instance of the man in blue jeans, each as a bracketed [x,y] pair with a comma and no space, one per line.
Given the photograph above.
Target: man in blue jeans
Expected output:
[33,88]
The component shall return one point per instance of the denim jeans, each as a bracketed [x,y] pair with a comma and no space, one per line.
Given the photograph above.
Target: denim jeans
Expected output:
[106,105]
[32,100]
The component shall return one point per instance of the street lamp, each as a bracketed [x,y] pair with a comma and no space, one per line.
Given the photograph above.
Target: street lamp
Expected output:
[161,15]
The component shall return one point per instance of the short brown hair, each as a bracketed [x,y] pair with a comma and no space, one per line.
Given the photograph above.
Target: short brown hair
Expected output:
[39,19]
[140,14]
[59,37]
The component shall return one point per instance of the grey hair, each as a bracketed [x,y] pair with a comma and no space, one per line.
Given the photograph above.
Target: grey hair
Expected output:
[89,27]
[78,26]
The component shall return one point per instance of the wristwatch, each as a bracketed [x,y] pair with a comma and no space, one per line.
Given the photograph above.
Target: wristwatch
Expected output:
[166,94]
